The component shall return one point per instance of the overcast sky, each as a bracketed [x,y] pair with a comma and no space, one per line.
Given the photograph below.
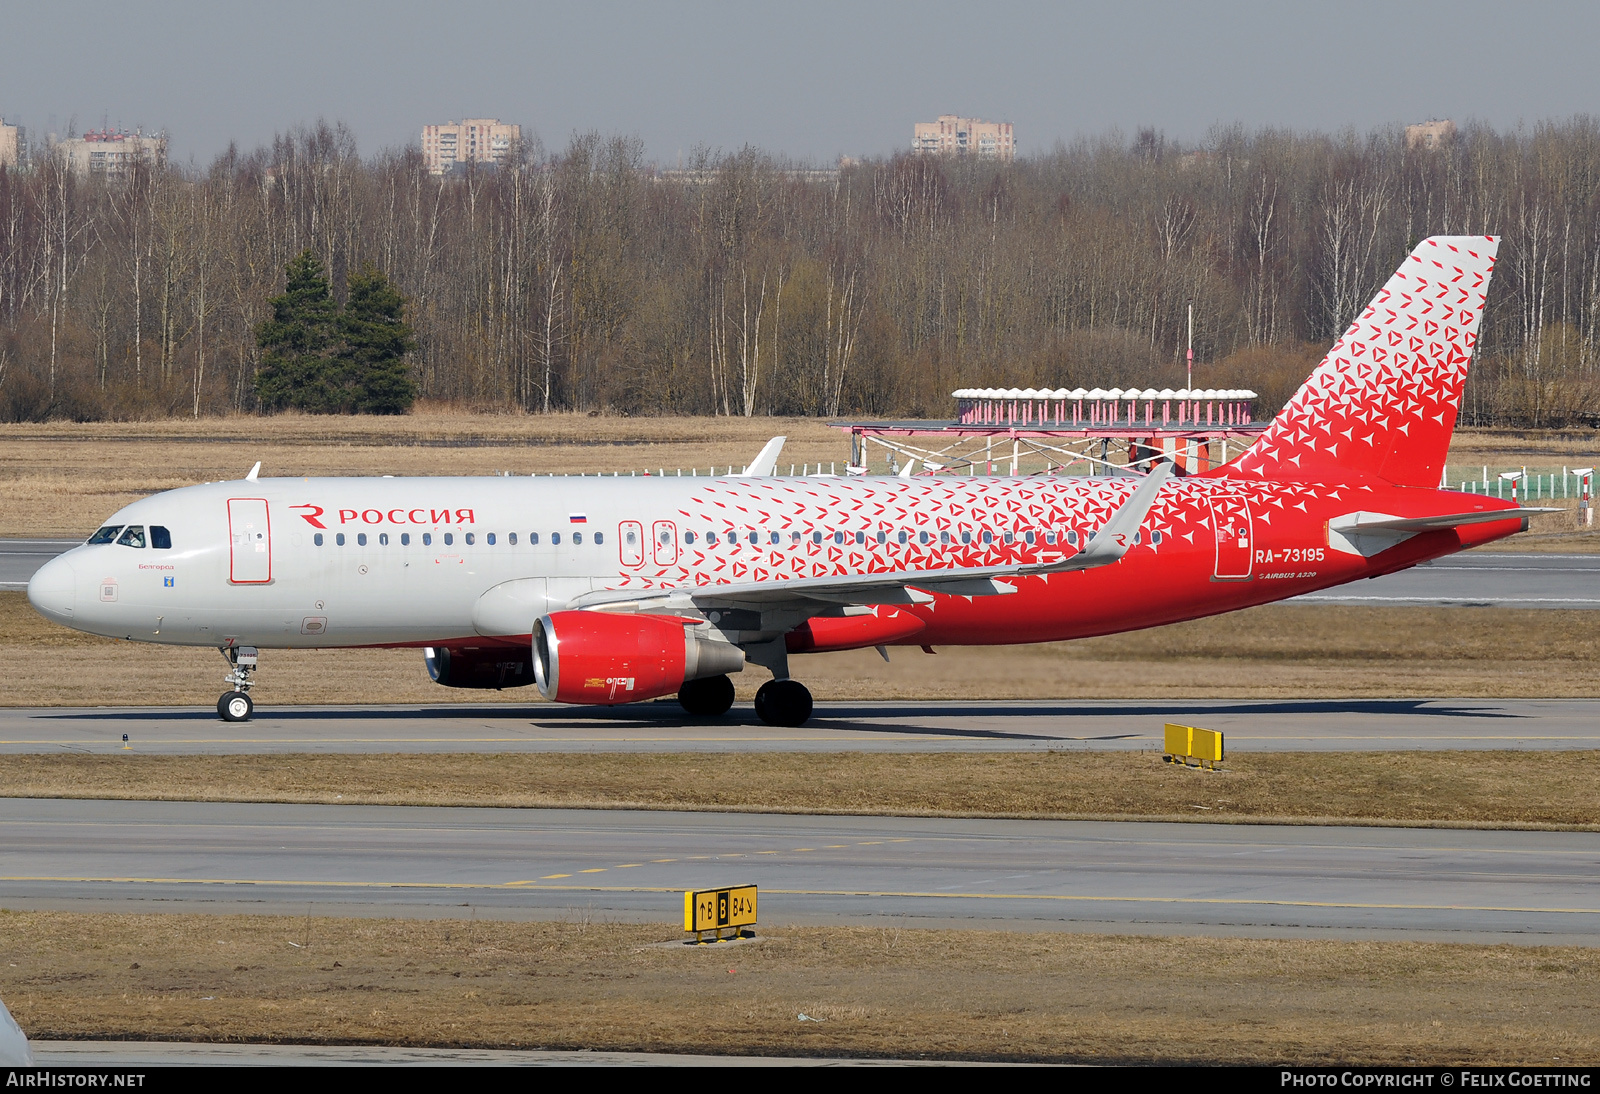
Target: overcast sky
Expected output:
[809,80]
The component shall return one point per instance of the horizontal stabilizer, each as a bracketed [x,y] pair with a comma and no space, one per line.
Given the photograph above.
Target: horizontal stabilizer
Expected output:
[1377,522]
[1368,534]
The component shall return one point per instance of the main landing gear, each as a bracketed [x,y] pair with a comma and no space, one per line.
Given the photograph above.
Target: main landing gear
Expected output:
[235,705]
[707,697]
[783,703]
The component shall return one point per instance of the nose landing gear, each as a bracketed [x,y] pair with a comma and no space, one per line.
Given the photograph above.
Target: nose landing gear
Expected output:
[236,705]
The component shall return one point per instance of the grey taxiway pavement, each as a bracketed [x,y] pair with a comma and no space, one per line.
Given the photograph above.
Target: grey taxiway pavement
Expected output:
[1255,880]
[1471,579]
[1307,725]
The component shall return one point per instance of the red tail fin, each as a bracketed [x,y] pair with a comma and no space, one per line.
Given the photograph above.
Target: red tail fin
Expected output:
[1383,402]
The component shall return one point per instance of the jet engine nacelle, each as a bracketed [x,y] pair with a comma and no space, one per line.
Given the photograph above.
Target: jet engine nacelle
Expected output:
[599,657]
[479,667]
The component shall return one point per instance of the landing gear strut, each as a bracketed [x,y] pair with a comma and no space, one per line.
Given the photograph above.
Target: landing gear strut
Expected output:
[706,698]
[235,705]
[783,703]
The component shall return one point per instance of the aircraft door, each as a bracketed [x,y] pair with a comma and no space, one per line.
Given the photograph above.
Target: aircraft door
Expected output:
[630,543]
[1232,528]
[664,542]
[249,542]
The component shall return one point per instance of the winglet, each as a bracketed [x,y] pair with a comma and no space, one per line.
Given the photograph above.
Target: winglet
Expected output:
[1114,538]
[254,471]
[766,462]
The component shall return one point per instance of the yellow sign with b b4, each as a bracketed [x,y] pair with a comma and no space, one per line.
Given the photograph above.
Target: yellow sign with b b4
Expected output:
[731,906]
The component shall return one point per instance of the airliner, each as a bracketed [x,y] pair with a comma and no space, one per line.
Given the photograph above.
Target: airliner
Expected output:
[616,590]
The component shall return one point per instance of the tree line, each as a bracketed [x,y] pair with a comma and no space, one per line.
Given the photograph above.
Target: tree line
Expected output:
[589,279]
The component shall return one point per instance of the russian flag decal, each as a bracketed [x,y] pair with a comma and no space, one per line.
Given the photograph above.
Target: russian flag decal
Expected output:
[578,518]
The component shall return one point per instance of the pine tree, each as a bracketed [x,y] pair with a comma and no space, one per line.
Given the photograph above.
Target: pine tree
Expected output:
[376,341]
[318,358]
[297,342]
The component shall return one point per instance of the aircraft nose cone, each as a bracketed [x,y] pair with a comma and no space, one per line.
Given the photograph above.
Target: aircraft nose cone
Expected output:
[53,591]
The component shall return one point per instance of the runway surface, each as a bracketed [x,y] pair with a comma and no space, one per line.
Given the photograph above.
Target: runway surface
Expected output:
[19,558]
[1478,580]
[1307,725]
[1465,580]
[1255,880]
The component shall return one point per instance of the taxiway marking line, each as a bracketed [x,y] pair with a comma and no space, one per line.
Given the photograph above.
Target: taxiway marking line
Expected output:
[1058,897]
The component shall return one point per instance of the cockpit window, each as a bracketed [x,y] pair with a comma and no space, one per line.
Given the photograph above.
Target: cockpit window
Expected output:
[133,537]
[108,534]
[160,538]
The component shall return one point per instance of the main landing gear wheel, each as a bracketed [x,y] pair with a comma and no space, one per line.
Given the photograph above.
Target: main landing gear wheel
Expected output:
[706,698]
[783,703]
[235,706]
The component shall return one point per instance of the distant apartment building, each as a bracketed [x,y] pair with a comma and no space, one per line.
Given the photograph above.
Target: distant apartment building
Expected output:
[951,135]
[10,144]
[1430,134]
[474,140]
[111,152]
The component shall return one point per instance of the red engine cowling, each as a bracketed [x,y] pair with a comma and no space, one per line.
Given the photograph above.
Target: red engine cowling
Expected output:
[479,666]
[600,657]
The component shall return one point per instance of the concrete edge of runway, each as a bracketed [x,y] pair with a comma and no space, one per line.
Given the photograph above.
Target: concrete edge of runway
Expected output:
[136,1054]
[931,814]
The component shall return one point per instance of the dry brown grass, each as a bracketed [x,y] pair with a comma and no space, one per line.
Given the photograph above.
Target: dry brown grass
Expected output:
[1270,652]
[890,992]
[1483,789]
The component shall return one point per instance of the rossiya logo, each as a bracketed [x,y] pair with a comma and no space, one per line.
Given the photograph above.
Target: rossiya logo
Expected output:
[314,513]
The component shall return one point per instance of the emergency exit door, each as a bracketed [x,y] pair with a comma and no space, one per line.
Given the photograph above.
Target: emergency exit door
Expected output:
[249,542]
[1232,529]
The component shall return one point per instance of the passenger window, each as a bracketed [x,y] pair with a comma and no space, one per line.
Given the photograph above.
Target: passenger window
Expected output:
[1155,537]
[317,539]
[361,539]
[755,537]
[988,537]
[1011,537]
[599,539]
[533,538]
[383,539]
[511,538]
[133,537]
[632,537]
[688,537]
[776,538]
[470,539]
[904,537]
[1050,537]
[1027,537]
[861,538]
[922,536]
[427,539]
[1072,538]
[108,534]
[794,537]
[733,537]
[405,539]
[577,537]
[816,537]
[489,539]
[966,537]
[555,539]
[449,538]
[160,538]
[339,539]
[944,538]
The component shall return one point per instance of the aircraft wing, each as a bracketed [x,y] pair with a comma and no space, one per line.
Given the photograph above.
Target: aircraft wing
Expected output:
[1107,546]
